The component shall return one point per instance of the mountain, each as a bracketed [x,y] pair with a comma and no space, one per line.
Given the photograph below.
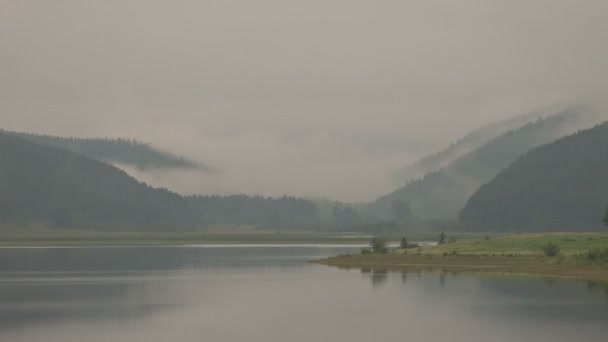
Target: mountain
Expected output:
[560,186]
[41,183]
[51,186]
[464,145]
[443,193]
[121,151]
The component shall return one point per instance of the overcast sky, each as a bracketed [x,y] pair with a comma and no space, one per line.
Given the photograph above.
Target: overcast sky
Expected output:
[315,97]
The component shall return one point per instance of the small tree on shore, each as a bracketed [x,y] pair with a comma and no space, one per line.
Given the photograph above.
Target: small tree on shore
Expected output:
[441,239]
[378,245]
[403,244]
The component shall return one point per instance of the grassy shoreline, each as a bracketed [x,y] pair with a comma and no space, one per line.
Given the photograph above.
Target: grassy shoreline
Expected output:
[518,254]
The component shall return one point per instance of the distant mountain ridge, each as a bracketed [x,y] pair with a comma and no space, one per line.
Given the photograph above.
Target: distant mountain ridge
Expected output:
[443,193]
[131,152]
[51,186]
[42,183]
[464,145]
[559,186]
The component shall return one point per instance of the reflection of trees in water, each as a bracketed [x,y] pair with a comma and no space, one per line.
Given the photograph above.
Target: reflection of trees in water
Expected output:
[598,285]
[378,276]
[442,279]
[549,281]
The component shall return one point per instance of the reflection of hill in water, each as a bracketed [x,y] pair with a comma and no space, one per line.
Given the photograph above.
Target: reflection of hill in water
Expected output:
[50,285]
[39,301]
[121,259]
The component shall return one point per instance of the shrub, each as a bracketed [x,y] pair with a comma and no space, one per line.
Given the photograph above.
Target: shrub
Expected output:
[366,250]
[597,254]
[441,239]
[550,249]
[378,245]
[403,244]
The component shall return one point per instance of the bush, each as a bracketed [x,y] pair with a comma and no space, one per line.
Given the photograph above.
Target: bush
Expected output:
[366,250]
[597,254]
[378,245]
[441,239]
[403,244]
[550,249]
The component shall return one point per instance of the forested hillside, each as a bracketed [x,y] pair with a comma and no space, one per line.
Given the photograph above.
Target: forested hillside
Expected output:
[40,183]
[47,185]
[122,151]
[559,186]
[274,213]
[443,193]
[463,146]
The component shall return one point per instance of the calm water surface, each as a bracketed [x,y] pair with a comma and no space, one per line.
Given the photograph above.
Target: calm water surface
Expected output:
[272,294]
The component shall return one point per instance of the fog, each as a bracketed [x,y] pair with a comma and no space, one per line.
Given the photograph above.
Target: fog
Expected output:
[309,98]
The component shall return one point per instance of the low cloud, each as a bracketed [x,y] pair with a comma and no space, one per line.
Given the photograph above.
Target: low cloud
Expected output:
[323,98]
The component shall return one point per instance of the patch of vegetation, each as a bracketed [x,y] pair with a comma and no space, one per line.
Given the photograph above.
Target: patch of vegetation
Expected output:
[366,250]
[550,249]
[378,245]
[442,238]
[597,255]
[572,255]
[560,186]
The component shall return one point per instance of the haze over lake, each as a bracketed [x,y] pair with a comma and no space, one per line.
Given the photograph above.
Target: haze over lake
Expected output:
[265,293]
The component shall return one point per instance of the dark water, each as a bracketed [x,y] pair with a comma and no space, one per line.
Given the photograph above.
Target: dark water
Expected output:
[273,294]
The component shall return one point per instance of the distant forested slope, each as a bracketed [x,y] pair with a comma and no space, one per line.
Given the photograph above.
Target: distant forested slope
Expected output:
[121,151]
[464,145]
[65,189]
[559,186]
[276,213]
[41,184]
[443,193]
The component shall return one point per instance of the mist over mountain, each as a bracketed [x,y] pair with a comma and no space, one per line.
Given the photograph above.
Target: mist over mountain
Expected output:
[561,186]
[443,193]
[463,146]
[61,188]
[338,94]
[131,152]
[42,185]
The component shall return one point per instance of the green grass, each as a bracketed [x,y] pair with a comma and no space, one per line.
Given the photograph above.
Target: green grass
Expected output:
[525,244]
[516,254]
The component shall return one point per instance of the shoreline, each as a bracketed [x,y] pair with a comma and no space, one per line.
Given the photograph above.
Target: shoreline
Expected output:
[564,267]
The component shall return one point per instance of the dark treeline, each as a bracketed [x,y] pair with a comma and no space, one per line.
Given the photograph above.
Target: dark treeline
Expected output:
[274,213]
[51,186]
[123,151]
[343,217]
[559,186]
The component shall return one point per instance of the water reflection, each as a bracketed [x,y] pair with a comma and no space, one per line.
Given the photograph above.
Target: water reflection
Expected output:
[378,276]
[273,294]
[519,298]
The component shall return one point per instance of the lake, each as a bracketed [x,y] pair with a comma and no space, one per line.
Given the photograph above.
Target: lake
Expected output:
[271,293]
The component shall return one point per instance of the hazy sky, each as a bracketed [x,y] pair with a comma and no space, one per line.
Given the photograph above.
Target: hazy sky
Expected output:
[315,97]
